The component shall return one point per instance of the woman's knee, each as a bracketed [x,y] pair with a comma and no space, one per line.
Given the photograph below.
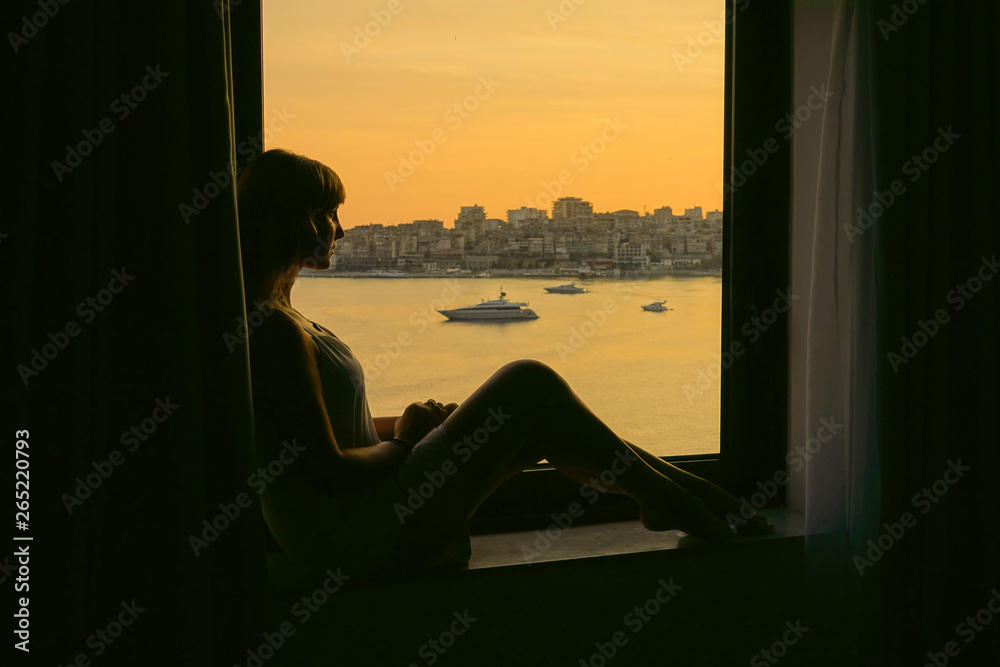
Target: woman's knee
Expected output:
[532,375]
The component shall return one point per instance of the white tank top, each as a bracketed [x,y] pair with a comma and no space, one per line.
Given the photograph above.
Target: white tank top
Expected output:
[343,383]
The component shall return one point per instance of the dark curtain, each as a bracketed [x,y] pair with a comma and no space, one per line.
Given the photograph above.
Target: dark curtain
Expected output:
[121,275]
[934,87]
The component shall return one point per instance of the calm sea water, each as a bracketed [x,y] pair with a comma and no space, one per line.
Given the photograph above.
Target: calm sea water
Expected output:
[630,366]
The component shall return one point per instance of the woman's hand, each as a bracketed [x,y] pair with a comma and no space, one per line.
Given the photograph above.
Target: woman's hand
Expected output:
[419,419]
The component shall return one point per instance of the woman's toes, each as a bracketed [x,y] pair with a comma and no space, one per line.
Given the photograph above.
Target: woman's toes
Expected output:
[692,519]
[654,520]
[758,525]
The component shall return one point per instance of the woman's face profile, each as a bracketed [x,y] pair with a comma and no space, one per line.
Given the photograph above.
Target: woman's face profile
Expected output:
[328,232]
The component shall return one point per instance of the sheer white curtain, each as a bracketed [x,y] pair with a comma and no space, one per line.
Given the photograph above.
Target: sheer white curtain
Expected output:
[833,330]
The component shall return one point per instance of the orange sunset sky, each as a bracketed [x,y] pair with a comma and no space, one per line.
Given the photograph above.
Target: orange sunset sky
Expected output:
[560,80]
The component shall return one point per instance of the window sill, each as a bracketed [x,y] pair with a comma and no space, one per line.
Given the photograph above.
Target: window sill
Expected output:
[576,543]
[606,540]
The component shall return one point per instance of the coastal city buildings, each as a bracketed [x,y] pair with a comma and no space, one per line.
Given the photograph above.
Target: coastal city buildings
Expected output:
[573,239]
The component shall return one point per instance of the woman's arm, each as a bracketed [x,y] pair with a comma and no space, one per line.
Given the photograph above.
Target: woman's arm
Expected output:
[385,427]
[417,424]
[417,420]
[288,395]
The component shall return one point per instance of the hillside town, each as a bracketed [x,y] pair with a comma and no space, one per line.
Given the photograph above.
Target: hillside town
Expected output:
[573,240]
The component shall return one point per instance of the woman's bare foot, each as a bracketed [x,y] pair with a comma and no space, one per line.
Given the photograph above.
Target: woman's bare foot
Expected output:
[756,525]
[685,512]
[725,506]
[716,499]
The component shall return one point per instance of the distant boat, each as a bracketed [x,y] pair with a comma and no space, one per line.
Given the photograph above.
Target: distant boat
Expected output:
[495,310]
[656,307]
[382,273]
[565,289]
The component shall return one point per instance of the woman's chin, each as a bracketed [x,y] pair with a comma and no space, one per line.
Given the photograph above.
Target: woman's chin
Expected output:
[318,265]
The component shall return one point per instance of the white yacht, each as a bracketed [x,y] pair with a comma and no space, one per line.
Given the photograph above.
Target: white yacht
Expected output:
[494,310]
[565,289]
[656,307]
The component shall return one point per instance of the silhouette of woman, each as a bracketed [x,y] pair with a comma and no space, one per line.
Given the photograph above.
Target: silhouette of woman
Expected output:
[370,494]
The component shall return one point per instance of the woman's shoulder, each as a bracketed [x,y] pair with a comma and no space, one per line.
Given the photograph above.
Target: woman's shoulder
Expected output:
[285,375]
[280,340]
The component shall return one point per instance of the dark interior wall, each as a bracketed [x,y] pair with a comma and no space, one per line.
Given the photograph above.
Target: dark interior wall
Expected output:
[715,607]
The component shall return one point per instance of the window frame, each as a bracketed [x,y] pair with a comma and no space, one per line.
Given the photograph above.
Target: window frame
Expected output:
[756,263]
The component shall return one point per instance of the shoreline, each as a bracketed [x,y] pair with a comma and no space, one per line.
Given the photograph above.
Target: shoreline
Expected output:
[638,275]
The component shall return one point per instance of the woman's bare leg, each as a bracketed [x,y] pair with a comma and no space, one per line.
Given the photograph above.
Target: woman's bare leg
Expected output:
[717,499]
[526,412]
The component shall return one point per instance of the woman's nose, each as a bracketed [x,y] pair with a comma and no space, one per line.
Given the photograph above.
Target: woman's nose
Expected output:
[338,232]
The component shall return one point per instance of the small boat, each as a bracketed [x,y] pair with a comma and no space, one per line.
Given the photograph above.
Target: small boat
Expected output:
[656,307]
[565,289]
[494,310]
[382,273]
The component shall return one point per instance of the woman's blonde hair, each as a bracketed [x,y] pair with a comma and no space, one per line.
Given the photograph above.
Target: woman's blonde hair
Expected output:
[280,196]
